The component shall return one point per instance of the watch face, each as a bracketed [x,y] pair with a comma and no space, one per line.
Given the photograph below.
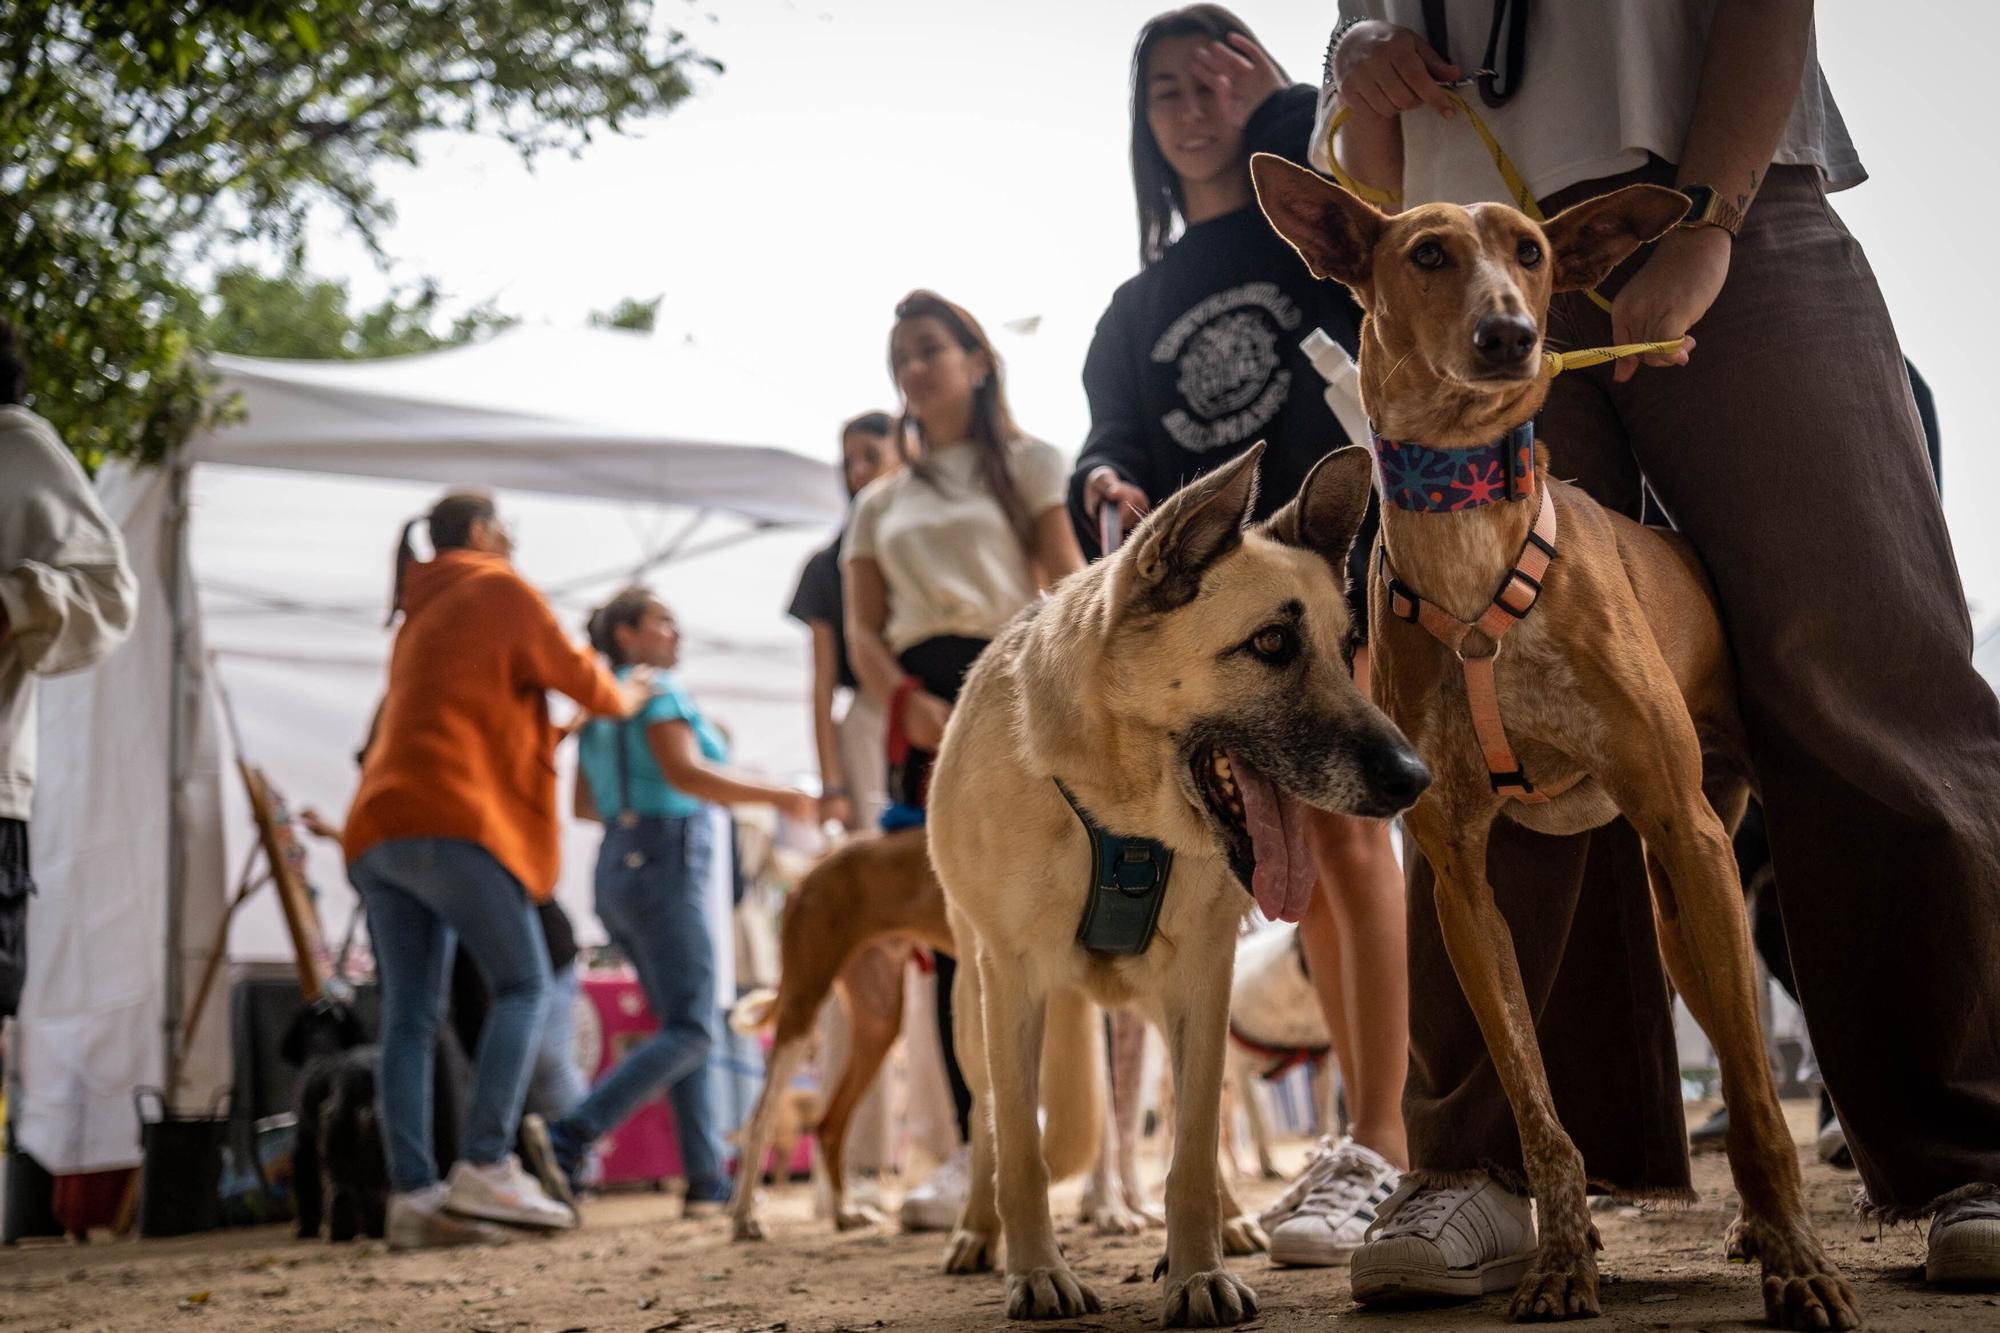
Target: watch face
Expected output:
[1699,197]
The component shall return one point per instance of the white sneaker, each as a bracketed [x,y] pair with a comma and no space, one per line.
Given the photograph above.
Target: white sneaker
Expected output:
[503,1192]
[1965,1245]
[1333,1217]
[936,1204]
[418,1221]
[1453,1243]
[1295,1193]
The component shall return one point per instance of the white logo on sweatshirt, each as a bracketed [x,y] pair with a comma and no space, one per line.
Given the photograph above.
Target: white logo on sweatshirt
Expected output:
[1228,369]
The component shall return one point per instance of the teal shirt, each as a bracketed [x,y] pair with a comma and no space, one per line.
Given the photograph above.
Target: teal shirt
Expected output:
[651,793]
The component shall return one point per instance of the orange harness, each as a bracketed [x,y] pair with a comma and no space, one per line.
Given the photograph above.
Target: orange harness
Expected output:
[1519,590]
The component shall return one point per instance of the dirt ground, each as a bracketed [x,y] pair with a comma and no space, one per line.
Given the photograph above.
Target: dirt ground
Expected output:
[633,1267]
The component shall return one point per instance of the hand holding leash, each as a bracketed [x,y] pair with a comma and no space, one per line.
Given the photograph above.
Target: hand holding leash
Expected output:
[1669,294]
[1383,69]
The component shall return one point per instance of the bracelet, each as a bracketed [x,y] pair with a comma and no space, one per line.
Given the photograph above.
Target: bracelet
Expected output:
[833,793]
[1333,44]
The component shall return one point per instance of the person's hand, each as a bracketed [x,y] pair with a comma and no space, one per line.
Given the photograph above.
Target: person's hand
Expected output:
[1384,69]
[837,809]
[1669,294]
[798,805]
[924,716]
[315,824]
[1105,484]
[636,690]
[1241,74]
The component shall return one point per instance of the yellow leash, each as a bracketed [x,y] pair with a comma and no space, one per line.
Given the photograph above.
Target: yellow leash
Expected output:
[1555,363]
[1517,187]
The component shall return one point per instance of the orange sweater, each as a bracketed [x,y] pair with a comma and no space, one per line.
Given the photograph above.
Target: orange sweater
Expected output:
[463,747]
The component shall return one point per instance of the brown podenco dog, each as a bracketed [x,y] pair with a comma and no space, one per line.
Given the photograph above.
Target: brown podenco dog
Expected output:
[1614,694]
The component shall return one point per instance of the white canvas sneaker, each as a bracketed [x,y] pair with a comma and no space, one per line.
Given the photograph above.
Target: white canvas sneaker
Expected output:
[1450,1243]
[1332,1218]
[503,1192]
[936,1204]
[418,1221]
[1288,1203]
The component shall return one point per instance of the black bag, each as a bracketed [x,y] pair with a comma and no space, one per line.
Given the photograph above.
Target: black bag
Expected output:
[180,1172]
[16,884]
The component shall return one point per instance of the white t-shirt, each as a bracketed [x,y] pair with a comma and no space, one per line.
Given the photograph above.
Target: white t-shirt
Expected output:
[950,561]
[1606,83]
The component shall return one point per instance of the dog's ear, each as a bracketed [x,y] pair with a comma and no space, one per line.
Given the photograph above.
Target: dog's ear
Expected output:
[1590,239]
[1333,231]
[1328,509]
[1196,526]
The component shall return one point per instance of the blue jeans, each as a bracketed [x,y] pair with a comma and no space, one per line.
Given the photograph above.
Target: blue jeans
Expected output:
[652,890]
[556,1084]
[421,894]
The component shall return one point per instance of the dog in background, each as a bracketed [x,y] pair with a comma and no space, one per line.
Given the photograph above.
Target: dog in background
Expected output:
[340,1172]
[865,891]
[1275,1025]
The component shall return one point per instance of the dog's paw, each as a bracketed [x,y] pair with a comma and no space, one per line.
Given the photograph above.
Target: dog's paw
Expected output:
[1207,1300]
[1803,1288]
[1556,1288]
[1111,1217]
[746,1228]
[1049,1293]
[969,1252]
[1241,1235]
[856,1217]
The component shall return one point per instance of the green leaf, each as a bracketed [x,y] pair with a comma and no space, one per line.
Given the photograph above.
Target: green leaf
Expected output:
[304,29]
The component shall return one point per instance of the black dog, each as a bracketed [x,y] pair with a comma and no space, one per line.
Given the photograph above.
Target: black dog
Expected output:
[339,1168]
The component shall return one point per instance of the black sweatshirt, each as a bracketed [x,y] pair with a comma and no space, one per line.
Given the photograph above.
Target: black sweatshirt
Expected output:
[1198,356]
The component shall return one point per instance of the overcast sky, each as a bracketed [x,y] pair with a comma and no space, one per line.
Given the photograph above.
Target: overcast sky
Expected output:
[857,148]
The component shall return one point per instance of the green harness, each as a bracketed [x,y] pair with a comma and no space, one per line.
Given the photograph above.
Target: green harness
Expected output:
[1128,882]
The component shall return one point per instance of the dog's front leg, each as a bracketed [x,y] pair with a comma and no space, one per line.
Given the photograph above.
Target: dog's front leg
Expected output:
[1039,1284]
[1201,1291]
[1562,1284]
[756,1138]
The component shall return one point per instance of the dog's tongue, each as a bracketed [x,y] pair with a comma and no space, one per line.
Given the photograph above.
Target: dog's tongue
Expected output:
[1283,881]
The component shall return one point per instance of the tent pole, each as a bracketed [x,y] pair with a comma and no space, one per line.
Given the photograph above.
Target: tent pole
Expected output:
[177,744]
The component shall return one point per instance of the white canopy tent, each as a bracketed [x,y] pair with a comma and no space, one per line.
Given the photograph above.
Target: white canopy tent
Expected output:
[614,453]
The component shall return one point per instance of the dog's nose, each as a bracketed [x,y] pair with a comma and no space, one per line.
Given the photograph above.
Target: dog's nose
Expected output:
[1504,339]
[1395,773]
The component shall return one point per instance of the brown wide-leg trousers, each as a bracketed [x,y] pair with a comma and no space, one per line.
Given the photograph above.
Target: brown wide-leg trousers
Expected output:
[1789,452]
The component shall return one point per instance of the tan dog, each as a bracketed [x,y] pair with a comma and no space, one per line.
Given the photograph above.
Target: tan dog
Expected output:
[1615,692]
[865,891]
[1190,689]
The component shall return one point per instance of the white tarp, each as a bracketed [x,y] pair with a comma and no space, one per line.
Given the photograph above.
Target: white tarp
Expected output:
[578,412]
[90,1028]
[683,458]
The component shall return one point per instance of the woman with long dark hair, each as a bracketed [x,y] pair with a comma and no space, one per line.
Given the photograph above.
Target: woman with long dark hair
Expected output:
[938,557]
[653,779]
[453,835]
[1196,358]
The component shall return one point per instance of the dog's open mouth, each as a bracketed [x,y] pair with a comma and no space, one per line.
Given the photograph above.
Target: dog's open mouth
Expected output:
[1264,831]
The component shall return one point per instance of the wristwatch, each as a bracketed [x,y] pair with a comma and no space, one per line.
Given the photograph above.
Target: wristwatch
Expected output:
[1709,209]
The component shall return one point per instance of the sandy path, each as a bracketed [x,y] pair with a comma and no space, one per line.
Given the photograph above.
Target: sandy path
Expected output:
[632,1268]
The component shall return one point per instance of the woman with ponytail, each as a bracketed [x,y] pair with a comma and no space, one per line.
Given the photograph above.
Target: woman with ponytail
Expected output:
[938,557]
[652,779]
[453,836]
